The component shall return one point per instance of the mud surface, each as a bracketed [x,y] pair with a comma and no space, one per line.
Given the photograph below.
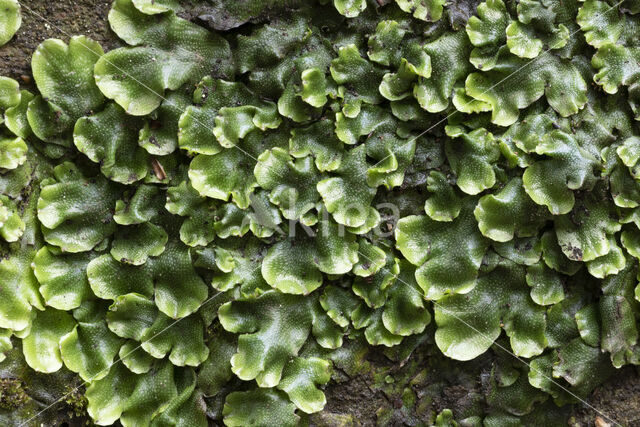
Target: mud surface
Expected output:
[618,399]
[351,400]
[43,19]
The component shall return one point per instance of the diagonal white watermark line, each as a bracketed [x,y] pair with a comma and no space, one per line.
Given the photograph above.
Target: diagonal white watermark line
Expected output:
[497,344]
[108,368]
[164,99]
[453,113]
[402,281]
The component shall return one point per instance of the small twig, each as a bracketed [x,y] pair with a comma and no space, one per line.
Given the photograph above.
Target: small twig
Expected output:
[158,169]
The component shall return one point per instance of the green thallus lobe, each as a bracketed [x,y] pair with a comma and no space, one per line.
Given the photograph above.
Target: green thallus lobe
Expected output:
[286,164]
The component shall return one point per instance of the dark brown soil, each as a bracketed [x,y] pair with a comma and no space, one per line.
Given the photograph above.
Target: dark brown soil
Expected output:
[43,19]
[352,400]
[618,399]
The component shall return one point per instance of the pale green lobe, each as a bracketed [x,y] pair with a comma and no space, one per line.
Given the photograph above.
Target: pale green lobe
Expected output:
[350,8]
[11,225]
[199,212]
[159,135]
[292,182]
[374,330]
[292,106]
[488,27]
[234,123]
[526,134]
[153,7]
[405,312]
[110,138]
[616,66]
[133,316]
[588,322]
[223,175]
[611,263]
[546,285]
[167,52]
[64,76]
[62,277]
[449,63]
[374,291]
[320,141]
[630,239]
[361,76]
[600,23]
[521,42]
[392,156]
[41,347]
[10,19]
[314,87]
[9,93]
[134,244]
[565,168]
[134,399]
[19,291]
[184,345]
[521,250]
[372,259]
[465,104]
[300,380]
[399,85]
[584,233]
[347,196]
[267,51]
[179,290]
[188,407]
[385,42]
[295,265]
[554,257]
[444,204]
[138,362]
[90,348]
[625,189]
[230,172]
[429,10]
[629,152]
[237,262]
[13,152]
[110,279]
[260,407]
[272,327]
[339,304]
[369,119]
[326,333]
[15,118]
[225,112]
[508,213]
[107,396]
[139,206]
[76,212]
[434,246]
[516,84]
[373,220]
[469,324]
[471,156]
[619,330]
[575,362]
